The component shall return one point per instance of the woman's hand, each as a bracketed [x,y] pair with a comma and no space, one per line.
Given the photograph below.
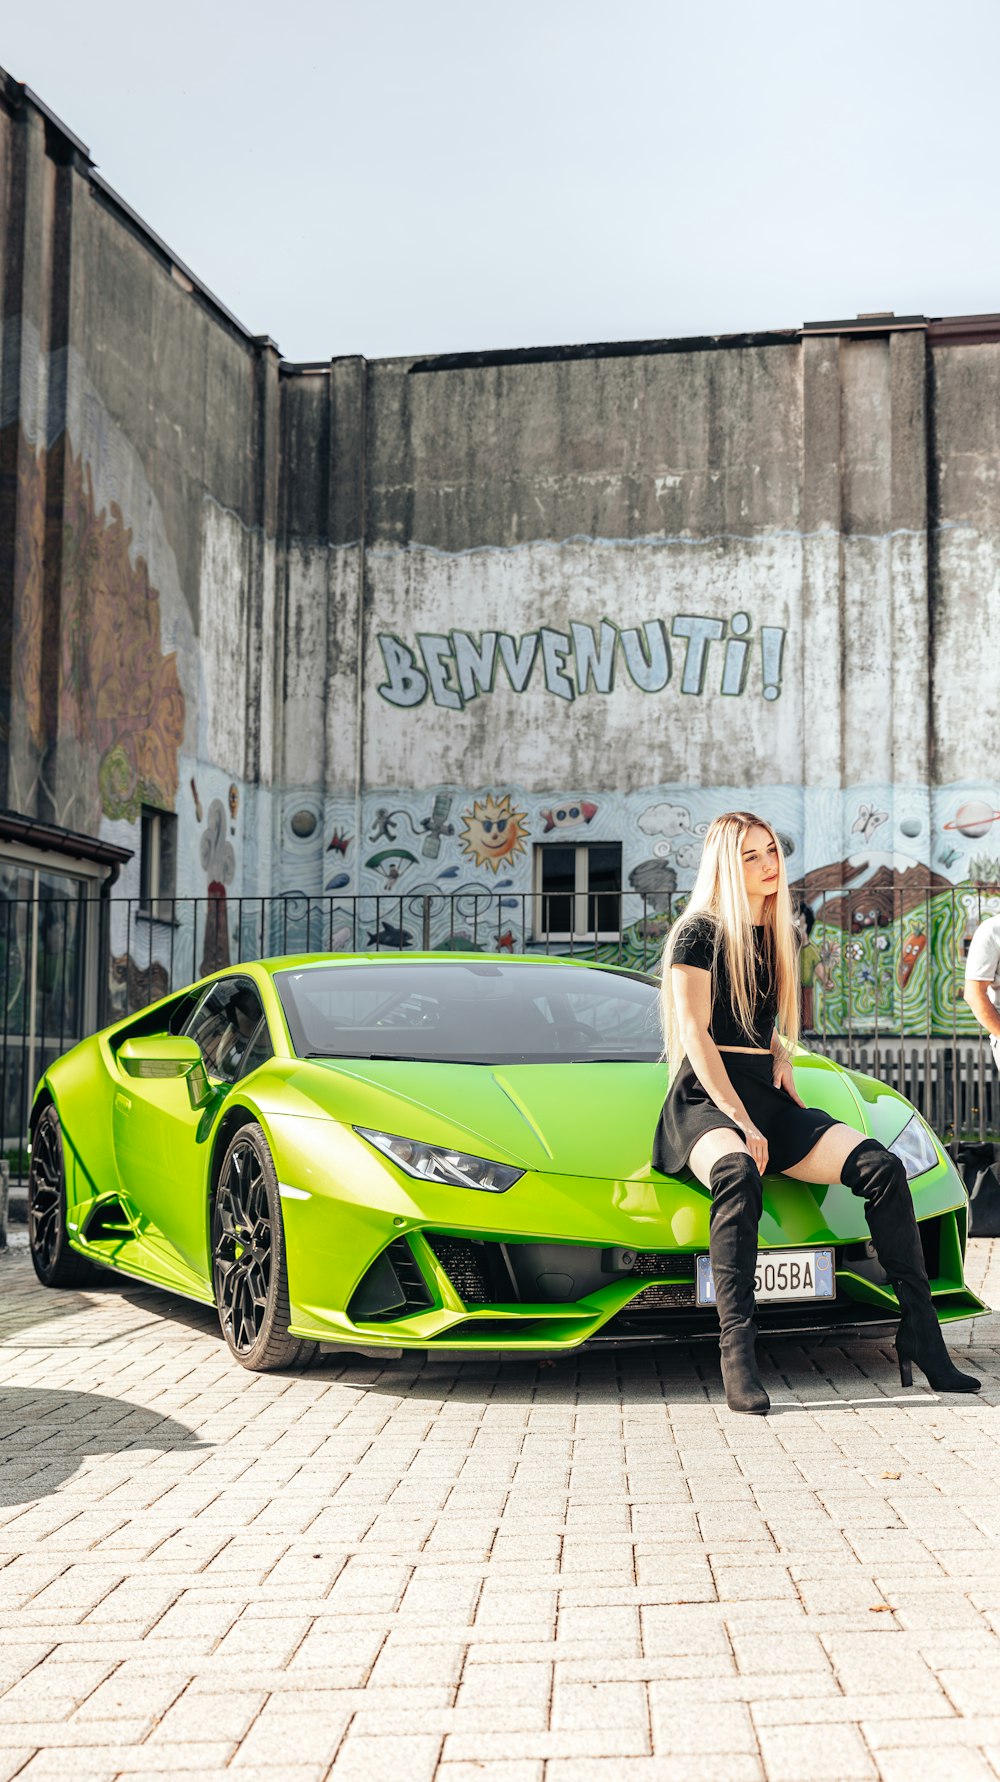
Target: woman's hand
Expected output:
[784,1079]
[756,1144]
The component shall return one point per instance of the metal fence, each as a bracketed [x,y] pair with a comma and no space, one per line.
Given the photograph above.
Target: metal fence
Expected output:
[881,968]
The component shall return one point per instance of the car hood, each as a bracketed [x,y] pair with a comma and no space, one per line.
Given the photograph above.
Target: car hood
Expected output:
[565,1119]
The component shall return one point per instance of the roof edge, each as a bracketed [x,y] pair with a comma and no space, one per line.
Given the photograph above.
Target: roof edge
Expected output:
[50,838]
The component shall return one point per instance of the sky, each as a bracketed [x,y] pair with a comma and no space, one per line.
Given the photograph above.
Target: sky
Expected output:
[421,176]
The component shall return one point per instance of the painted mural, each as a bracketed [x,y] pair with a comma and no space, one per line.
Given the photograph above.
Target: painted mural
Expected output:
[888,884]
[104,738]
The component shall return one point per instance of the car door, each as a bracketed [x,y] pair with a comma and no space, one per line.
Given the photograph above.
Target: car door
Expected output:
[158,1134]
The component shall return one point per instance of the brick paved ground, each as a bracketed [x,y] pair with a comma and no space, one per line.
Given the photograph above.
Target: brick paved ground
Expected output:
[486,1569]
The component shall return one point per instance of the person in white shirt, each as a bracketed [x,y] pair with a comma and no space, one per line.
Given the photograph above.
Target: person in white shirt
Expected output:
[982,980]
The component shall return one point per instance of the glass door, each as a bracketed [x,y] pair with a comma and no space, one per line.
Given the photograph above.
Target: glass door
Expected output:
[43,950]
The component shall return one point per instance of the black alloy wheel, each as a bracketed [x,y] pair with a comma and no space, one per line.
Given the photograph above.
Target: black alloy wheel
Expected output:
[249,1275]
[55,1263]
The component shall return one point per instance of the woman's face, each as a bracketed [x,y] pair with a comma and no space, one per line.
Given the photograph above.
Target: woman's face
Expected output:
[760,862]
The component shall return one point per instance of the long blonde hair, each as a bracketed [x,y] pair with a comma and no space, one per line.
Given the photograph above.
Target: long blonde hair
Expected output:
[720,896]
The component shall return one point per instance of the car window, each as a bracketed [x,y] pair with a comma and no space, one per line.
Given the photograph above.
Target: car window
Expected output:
[225,1025]
[258,1052]
[467,1011]
[181,1012]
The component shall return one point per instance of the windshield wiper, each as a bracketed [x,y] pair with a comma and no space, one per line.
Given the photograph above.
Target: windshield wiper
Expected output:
[613,1058]
[390,1057]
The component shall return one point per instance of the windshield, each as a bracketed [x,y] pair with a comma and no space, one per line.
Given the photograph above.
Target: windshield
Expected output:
[470,1012]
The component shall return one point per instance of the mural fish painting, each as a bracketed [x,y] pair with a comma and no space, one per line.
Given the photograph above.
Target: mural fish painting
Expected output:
[388,936]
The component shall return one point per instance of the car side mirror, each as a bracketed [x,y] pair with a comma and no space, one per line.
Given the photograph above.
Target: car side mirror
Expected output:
[166,1055]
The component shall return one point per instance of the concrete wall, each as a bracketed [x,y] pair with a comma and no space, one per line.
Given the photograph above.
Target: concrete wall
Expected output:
[342,617]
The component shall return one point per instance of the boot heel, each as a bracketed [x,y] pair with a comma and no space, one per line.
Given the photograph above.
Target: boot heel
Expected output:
[905,1369]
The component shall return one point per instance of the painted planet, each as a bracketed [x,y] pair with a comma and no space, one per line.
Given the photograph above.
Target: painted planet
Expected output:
[910,826]
[303,823]
[974,819]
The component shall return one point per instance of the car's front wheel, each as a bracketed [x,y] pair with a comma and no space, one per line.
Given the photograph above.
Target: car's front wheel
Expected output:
[249,1272]
[56,1264]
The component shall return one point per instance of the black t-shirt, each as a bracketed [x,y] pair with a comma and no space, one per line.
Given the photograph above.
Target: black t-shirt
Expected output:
[695,945]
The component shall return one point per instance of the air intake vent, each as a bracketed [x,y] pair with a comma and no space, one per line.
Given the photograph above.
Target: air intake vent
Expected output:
[392,1288]
[656,1262]
[467,1265]
[669,1294]
[107,1221]
[484,1328]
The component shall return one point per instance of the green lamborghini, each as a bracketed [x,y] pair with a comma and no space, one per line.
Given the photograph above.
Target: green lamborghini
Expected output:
[438,1151]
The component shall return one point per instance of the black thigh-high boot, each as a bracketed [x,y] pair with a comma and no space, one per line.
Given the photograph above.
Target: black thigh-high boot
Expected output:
[737,1203]
[880,1177]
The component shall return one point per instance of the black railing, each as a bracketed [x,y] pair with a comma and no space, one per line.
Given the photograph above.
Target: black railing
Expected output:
[881,967]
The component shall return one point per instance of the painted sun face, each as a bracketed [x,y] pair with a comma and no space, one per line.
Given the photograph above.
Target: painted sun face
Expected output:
[493,831]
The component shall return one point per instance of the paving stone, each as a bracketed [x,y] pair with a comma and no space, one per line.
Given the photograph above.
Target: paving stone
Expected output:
[814,1754]
[449,1567]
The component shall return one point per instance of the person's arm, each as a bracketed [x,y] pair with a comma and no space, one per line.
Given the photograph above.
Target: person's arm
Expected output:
[985,1011]
[980,970]
[692,991]
[782,1069]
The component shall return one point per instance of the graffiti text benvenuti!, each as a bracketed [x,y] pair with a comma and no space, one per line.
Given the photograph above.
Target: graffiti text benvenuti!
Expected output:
[457,666]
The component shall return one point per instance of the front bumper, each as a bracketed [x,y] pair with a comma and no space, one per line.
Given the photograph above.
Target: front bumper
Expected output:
[348,1208]
[446,1290]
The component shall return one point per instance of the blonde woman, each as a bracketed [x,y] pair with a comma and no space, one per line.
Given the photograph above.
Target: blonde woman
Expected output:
[730,986]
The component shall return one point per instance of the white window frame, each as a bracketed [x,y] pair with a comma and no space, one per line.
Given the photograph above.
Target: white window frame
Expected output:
[159,904]
[580,893]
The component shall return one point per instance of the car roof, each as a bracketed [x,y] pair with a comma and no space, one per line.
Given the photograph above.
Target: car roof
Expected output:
[387,956]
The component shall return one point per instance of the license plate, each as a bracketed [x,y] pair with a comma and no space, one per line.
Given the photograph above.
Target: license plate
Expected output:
[781,1274]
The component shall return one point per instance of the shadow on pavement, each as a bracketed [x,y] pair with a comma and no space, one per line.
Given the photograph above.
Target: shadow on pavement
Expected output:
[46,1433]
[162,1302]
[25,1304]
[824,1376]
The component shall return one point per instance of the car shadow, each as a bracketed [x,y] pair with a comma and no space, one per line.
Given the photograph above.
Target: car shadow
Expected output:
[26,1305]
[823,1376]
[161,1302]
[45,1434]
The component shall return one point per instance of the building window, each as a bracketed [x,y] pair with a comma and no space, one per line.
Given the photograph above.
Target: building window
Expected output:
[158,863]
[578,891]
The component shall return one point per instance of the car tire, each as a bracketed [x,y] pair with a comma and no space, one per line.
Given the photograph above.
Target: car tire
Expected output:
[55,1262]
[249,1271]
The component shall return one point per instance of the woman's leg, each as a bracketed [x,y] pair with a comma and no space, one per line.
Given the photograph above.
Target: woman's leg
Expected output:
[722,1162]
[870,1170]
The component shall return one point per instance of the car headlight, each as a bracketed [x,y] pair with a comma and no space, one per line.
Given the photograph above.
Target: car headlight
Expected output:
[437,1163]
[915,1148]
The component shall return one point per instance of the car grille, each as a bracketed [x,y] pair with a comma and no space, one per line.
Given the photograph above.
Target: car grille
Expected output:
[467,1266]
[485,1272]
[668,1293]
[657,1262]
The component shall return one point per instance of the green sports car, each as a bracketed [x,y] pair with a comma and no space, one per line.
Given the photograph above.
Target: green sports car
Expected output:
[437,1151]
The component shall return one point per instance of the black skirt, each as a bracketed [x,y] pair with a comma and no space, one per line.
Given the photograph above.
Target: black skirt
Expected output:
[689,1112]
